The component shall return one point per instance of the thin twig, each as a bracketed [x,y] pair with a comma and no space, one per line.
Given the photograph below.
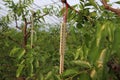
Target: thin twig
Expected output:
[65,2]
[16,22]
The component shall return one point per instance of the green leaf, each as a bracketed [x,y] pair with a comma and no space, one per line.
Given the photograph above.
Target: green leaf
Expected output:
[93,52]
[93,14]
[93,74]
[118,2]
[57,77]
[31,69]
[49,75]
[116,42]
[109,31]
[84,64]
[21,54]
[19,11]
[102,58]
[79,53]
[93,3]
[41,77]
[36,63]
[99,34]
[84,76]
[19,70]
[69,72]
[14,50]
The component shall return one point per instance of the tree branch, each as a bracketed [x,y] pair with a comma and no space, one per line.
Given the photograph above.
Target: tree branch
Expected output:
[116,11]
[65,2]
[38,17]
[25,32]
[16,22]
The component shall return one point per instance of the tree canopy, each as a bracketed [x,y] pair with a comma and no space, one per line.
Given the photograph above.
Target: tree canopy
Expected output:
[29,46]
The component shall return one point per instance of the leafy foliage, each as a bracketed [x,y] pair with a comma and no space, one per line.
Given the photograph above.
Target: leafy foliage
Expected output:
[92,49]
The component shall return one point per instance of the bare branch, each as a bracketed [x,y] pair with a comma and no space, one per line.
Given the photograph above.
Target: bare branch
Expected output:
[65,2]
[41,16]
[117,11]
[16,22]
[28,22]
